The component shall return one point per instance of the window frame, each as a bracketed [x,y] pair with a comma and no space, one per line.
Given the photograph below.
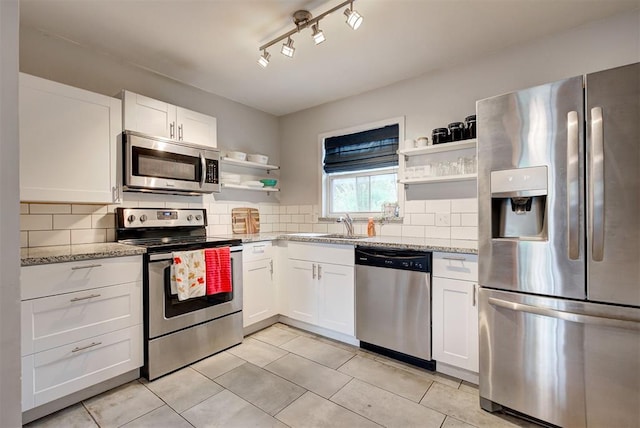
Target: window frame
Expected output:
[324,184]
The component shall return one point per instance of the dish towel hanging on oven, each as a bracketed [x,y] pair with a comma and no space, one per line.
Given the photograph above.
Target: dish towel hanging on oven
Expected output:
[188,274]
[218,261]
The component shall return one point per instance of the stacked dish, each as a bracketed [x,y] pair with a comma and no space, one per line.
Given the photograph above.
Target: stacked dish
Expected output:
[258,158]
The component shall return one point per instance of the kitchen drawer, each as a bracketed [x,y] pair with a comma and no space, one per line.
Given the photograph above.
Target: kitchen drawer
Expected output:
[257,251]
[53,321]
[58,278]
[456,266]
[58,372]
[322,253]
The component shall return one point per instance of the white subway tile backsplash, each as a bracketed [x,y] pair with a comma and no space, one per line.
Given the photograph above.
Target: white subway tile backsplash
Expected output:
[111,235]
[50,209]
[469,205]
[414,207]
[461,243]
[36,222]
[305,227]
[293,209]
[423,219]
[443,219]
[44,238]
[320,228]
[391,230]
[456,219]
[297,218]
[308,218]
[153,204]
[438,232]
[219,229]
[438,206]
[438,242]
[273,218]
[413,231]
[282,209]
[103,221]
[285,218]
[292,227]
[219,208]
[24,208]
[89,209]
[24,239]
[335,228]
[266,228]
[306,209]
[72,221]
[88,236]
[462,232]
[469,219]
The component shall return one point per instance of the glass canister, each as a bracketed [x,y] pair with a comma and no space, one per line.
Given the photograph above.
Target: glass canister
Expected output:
[471,126]
[440,135]
[457,131]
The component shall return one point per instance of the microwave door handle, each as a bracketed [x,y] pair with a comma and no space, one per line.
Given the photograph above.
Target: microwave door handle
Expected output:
[203,170]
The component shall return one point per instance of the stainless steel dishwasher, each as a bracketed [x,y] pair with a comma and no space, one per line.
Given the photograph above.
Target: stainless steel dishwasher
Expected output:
[393,303]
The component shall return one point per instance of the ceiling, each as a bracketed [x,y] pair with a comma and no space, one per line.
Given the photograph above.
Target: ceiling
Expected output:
[213,44]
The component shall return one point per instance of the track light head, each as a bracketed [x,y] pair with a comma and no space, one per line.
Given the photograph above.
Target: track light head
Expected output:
[288,49]
[354,19]
[318,35]
[264,59]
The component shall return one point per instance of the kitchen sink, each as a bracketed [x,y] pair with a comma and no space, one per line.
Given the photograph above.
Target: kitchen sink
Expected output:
[327,235]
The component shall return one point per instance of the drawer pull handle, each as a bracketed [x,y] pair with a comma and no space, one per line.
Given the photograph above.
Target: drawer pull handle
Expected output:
[90,296]
[457,259]
[85,267]
[91,345]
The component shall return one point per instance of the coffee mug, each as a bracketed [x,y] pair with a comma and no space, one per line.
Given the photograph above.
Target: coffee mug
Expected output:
[422,142]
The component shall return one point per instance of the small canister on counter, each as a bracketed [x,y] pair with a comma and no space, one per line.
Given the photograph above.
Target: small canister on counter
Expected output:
[457,131]
[440,135]
[471,126]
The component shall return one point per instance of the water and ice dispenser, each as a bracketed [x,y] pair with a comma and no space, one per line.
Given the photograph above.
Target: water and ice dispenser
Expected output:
[518,203]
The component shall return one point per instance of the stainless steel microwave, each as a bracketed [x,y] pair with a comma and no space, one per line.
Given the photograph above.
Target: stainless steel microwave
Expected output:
[160,165]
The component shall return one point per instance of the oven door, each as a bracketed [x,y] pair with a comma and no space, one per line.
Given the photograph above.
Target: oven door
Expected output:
[163,166]
[165,314]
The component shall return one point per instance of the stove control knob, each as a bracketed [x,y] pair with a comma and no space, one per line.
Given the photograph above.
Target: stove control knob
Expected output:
[189,217]
[131,218]
[143,218]
[198,217]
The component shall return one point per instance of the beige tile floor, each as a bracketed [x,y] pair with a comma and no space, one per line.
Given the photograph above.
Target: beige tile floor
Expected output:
[284,377]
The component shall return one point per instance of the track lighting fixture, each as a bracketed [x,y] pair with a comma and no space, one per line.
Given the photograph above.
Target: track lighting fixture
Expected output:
[288,49]
[318,35]
[303,19]
[264,58]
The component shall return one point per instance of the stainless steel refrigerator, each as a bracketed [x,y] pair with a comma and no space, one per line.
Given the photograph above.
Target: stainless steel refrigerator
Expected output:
[559,250]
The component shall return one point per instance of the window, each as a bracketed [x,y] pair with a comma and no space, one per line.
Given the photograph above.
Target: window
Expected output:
[360,171]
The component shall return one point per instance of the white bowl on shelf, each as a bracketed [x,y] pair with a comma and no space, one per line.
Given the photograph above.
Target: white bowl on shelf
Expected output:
[258,158]
[252,183]
[241,156]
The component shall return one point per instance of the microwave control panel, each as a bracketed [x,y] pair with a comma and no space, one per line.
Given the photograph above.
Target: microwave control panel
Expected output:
[211,171]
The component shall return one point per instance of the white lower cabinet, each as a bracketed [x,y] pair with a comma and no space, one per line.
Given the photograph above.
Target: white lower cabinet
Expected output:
[320,285]
[259,287]
[455,310]
[81,325]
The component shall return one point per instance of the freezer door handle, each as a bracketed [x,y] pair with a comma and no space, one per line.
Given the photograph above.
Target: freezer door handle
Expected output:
[567,316]
[596,188]
[573,185]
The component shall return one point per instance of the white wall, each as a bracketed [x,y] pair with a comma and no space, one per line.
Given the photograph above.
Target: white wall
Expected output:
[10,398]
[438,98]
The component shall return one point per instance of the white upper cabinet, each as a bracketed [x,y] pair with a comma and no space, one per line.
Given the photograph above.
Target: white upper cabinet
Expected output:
[160,119]
[68,143]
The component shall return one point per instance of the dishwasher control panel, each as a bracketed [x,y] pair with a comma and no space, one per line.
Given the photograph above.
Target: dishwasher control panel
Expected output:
[419,261]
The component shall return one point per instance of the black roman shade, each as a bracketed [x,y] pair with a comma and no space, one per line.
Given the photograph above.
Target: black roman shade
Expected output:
[376,148]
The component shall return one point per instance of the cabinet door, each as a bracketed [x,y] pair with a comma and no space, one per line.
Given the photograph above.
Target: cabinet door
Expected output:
[68,139]
[258,291]
[197,128]
[301,291]
[336,298]
[149,116]
[455,323]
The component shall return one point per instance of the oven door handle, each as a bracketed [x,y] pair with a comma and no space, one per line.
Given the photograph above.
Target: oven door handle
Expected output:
[168,256]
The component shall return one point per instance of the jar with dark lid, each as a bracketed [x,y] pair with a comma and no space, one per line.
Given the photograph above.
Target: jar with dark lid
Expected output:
[471,126]
[440,135]
[457,131]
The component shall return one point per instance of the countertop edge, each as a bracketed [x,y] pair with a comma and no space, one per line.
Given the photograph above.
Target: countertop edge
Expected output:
[72,253]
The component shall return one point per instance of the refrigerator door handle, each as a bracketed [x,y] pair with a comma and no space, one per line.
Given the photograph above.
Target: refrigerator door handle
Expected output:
[567,316]
[573,185]
[596,188]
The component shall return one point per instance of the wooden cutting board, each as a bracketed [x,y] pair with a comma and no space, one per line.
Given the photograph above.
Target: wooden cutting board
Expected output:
[245,220]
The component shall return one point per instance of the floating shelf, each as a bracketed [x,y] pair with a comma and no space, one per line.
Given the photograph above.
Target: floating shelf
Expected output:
[256,189]
[247,164]
[438,148]
[443,179]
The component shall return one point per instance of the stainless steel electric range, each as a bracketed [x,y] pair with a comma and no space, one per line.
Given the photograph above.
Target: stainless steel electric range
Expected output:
[178,333]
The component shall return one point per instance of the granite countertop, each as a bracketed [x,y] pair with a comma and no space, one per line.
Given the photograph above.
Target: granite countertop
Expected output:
[71,253]
[397,242]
